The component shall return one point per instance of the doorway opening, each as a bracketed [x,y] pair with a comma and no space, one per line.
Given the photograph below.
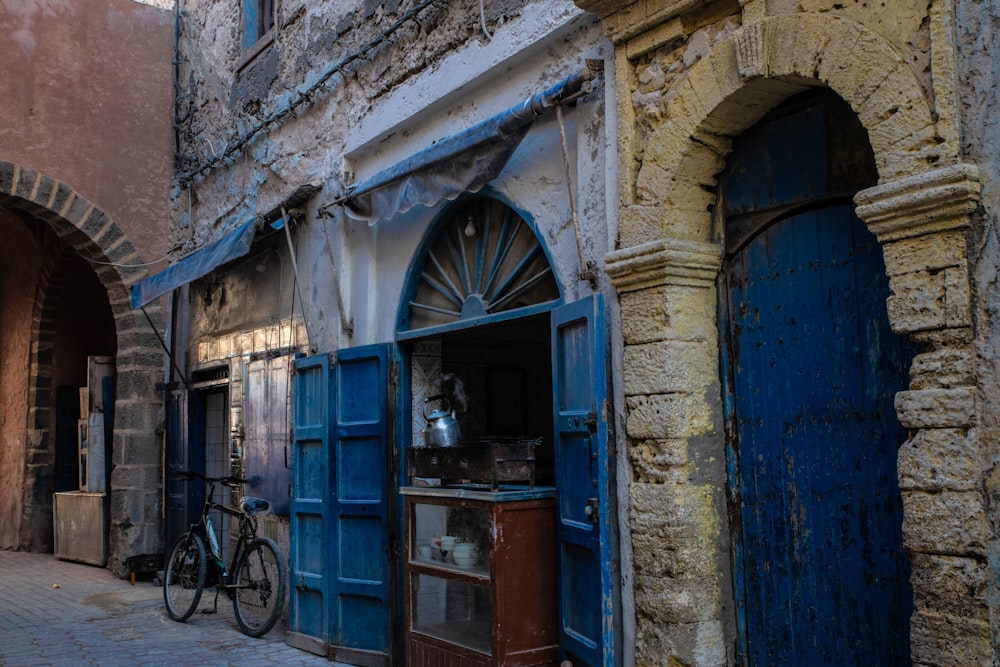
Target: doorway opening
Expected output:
[483,312]
[505,371]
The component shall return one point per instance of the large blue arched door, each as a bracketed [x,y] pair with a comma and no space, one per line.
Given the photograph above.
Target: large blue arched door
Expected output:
[812,368]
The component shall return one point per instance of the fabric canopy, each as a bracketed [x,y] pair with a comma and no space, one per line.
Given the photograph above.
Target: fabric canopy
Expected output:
[464,162]
[232,246]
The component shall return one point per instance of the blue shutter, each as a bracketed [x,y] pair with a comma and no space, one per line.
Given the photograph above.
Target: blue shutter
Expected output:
[251,21]
[586,600]
[360,605]
[310,567]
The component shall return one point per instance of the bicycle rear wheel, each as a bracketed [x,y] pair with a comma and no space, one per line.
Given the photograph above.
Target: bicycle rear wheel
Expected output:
[184,577]
[259,587]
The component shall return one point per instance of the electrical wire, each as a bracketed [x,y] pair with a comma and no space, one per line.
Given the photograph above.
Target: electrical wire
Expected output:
[305,96]
[130,266]
[482,21]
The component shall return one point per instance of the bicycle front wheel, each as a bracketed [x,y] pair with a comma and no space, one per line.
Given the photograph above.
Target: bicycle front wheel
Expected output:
[259,583]
[184,577]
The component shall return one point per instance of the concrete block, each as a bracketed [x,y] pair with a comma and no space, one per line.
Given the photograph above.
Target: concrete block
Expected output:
[949,641]
[669,366]
[667,416]
[929,252]
[943,368]
[951,586]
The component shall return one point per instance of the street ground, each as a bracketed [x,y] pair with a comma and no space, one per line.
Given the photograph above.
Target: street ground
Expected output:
[55,613]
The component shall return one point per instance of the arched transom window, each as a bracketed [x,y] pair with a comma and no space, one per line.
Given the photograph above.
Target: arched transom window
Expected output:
[485,261]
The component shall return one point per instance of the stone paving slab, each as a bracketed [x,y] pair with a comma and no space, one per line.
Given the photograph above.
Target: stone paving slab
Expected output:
[55,613]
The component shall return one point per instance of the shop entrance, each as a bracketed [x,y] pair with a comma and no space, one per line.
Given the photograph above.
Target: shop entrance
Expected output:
[483,307]
[485,312]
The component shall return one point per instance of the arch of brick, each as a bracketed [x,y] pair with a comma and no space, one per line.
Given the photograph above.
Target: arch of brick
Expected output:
[136,479]
[665,271]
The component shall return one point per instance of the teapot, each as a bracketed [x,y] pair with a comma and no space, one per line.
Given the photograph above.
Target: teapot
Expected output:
[442,427]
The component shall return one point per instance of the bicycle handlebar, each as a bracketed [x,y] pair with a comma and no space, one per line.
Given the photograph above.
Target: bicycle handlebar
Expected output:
[191,474]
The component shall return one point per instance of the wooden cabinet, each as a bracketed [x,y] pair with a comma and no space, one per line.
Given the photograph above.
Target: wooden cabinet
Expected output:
[480,577]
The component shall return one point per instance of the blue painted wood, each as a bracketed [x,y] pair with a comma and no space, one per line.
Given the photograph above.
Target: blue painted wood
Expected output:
[360,606]
[309,522]
[586,602]
[823,578]
[781,161]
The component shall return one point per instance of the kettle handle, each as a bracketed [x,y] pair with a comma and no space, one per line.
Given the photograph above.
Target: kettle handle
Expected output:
[437,397]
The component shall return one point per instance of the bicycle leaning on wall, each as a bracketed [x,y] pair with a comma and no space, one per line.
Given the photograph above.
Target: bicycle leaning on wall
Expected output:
[255,579]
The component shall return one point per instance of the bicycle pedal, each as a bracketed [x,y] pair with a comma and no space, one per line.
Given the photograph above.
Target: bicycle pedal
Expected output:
[206,610]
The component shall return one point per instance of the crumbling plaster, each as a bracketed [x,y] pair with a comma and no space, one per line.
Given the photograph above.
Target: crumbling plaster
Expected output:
[384,114]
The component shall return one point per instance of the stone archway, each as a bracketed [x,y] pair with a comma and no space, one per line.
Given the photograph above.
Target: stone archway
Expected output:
[665,270]
[136,480]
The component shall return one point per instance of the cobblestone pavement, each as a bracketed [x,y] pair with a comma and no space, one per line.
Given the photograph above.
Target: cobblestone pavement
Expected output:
[55,612]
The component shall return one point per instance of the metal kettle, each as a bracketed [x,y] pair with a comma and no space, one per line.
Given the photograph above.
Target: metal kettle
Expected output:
[442,427]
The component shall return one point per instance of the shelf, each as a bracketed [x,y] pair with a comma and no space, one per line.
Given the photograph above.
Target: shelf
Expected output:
[500,612]
[479,571]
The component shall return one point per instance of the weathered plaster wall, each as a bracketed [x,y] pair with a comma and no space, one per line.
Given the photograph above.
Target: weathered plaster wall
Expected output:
[87,96]
[395,101]
[19,261]
[977,30]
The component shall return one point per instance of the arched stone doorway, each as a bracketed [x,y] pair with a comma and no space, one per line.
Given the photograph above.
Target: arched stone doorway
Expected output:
[81,228]
[666,267]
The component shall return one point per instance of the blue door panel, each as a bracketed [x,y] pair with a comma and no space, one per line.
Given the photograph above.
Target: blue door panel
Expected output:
[309,523]
[355,455]
[779,163]
[360,504]
[823,574]
[586,602]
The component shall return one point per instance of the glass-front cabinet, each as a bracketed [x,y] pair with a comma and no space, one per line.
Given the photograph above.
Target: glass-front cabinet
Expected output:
[481,576]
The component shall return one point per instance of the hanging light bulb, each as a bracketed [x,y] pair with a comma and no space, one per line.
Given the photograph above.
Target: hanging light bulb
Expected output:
[470,228]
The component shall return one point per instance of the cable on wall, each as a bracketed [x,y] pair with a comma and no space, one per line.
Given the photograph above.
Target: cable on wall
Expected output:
[277,117]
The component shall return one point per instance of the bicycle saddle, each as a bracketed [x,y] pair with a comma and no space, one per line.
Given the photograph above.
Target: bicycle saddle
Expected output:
[254,506]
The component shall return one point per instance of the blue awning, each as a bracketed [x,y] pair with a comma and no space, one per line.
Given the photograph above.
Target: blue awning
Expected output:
[232,246]
[464,162]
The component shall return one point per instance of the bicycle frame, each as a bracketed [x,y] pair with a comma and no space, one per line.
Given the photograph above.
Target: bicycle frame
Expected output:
[205,530]
[256,567]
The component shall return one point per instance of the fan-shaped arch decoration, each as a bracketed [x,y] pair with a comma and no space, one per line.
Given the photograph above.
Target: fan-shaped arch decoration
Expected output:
[486,260]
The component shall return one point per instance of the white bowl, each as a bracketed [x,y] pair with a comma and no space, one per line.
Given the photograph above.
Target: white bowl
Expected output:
[465,549]
[465,561]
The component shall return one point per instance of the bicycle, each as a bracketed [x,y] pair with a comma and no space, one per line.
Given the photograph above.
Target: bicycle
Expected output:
[255,580]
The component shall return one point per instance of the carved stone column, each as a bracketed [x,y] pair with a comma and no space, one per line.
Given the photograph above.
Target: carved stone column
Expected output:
[675,440]
[922,222]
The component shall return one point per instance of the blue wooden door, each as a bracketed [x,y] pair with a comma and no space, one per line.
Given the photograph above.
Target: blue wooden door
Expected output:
[822,578]
[178,517]
[360,497]
[310,525]
[586,591]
